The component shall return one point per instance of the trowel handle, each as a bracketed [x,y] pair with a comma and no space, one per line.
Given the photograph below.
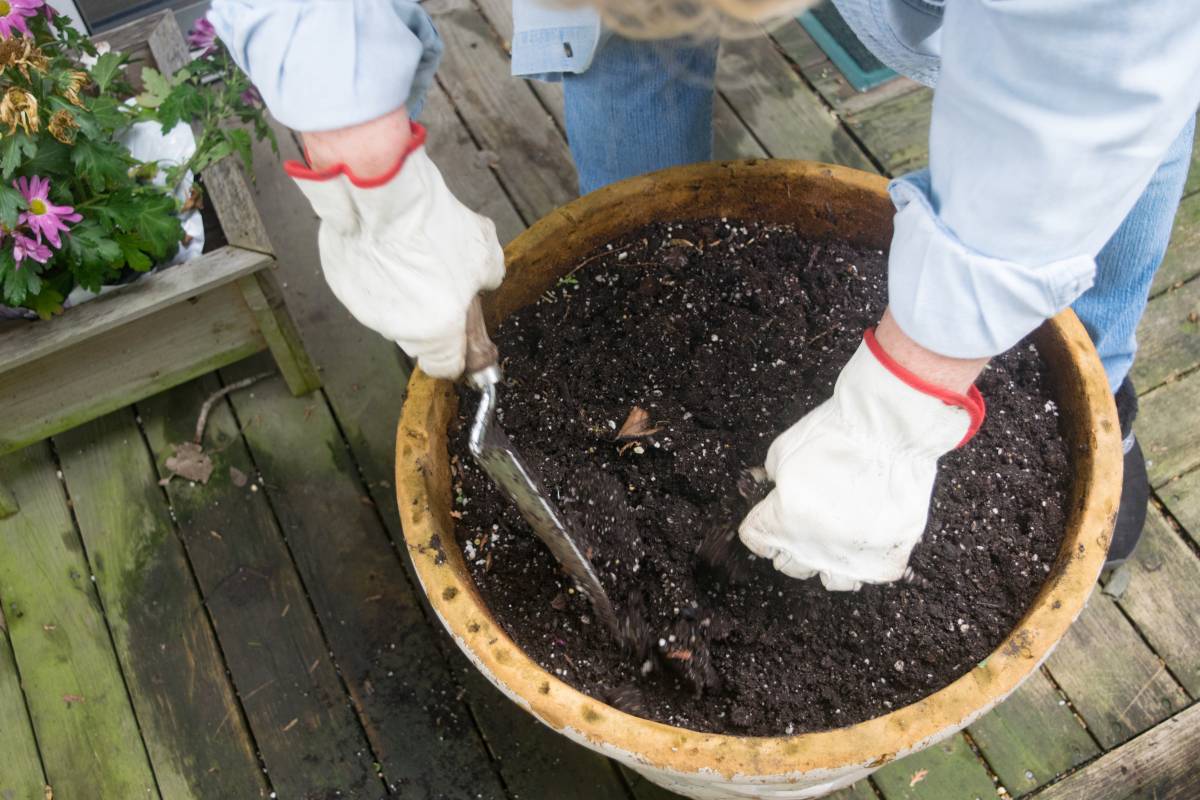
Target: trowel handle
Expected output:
[481,353]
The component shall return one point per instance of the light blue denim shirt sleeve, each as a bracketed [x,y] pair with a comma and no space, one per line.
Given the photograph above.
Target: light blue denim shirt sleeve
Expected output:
[325,64]
[550,41]
[1049,120]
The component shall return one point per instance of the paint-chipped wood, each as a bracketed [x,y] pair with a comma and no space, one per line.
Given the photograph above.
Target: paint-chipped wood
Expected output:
[1159,765]
[949,769]
[1032,737]
[298,712]
[1116,683]
[85,726]
[168,654]
[1168,426]
[1163,599]
[21,775]
[784,114]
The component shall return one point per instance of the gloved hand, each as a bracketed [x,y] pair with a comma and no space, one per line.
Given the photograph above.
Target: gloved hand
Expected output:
[403,254]
[854,477]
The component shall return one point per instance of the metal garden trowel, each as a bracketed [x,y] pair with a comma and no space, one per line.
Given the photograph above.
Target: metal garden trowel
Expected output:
[504,465]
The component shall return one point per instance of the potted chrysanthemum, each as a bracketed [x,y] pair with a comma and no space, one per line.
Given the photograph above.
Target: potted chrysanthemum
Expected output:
[95,175]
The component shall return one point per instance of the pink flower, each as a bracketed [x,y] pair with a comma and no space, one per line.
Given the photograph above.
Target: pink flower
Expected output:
[13,14]
[43,217]
[202,36]
[24,247]
[252,97]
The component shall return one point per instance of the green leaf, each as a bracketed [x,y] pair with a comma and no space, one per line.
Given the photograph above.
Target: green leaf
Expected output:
[19,283]
[52,158]
[148,213]
[13,149]
[157,88]
[93,257]
[185,103]
[240,139]
[108,113]
[46,303]
[11,204]
[106,68]
[133,249]
[101,164]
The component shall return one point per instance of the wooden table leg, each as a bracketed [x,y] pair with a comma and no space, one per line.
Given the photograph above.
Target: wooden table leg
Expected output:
[265,299]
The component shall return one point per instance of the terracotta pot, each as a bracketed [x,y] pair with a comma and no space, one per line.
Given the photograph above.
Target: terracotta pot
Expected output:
[822,201]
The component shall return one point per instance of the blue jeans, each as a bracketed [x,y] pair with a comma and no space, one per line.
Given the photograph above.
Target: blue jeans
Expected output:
[643,106]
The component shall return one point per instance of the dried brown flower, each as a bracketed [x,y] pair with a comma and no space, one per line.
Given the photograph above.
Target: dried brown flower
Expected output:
[21,53]
[19,109]
[75,80]
[63,126]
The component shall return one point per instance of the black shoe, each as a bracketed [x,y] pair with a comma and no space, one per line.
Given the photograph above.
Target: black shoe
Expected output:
[1135,486]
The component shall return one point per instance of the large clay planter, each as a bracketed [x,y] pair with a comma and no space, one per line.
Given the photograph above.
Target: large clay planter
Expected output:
[823,201]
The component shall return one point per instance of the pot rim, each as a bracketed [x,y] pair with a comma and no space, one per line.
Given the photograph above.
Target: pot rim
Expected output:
[422,472]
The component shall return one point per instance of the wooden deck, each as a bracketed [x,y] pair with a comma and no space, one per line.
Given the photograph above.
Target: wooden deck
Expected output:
[244,640]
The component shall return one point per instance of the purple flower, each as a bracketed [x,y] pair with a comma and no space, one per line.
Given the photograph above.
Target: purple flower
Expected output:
[43,217]
[252,97]
[13,14]
[202,36]
[24,247]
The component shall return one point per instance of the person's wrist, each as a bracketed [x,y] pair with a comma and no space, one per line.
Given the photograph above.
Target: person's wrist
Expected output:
[366,150]
[954,374]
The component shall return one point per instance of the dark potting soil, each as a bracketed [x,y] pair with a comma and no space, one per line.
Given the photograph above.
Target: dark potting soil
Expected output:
[724,334]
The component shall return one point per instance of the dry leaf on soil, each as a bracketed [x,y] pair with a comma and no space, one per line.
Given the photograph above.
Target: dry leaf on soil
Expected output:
[637,424]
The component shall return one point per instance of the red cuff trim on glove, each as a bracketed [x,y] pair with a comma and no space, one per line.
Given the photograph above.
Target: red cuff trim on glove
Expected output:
[302,171]
[971,402]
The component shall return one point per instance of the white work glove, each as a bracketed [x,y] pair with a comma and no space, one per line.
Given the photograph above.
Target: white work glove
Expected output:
[403,254]
[854,477]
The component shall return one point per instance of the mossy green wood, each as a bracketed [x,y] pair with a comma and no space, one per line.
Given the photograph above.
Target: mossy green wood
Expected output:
[364,380]
[503,115]
[193,728]
[1163,599]
[896,131]
[779,107]
[1116,683]
[86,730]
[21,775]
[946,770]
[297,709]
[1182,262]
[8,502]
[1168,337]
[1168,427]
[377,632]
[1032,737]
[1193,180]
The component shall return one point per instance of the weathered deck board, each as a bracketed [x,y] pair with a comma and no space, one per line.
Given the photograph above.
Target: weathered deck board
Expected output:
[1032,737]
[503,114]
[86,731]
[199,747]
[21,776]
[309,740]
[1168,337]
[1168,426]
[1116,683]
[1163,599]
[948,769]
[1182,499]
[1182,262]
[784,114]
[896,131]
[1158,765]
[1193,180]
[356,583]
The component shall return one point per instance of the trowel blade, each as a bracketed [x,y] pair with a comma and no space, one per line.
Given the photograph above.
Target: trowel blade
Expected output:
[504,465]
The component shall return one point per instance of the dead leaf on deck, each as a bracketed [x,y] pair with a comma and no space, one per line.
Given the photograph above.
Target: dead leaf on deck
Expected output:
[48,792]
[72,698]
[237,476]
[191,462]
[917,777]
[636,425]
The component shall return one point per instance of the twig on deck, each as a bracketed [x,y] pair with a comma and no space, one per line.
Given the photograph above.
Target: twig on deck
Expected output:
[202,421]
